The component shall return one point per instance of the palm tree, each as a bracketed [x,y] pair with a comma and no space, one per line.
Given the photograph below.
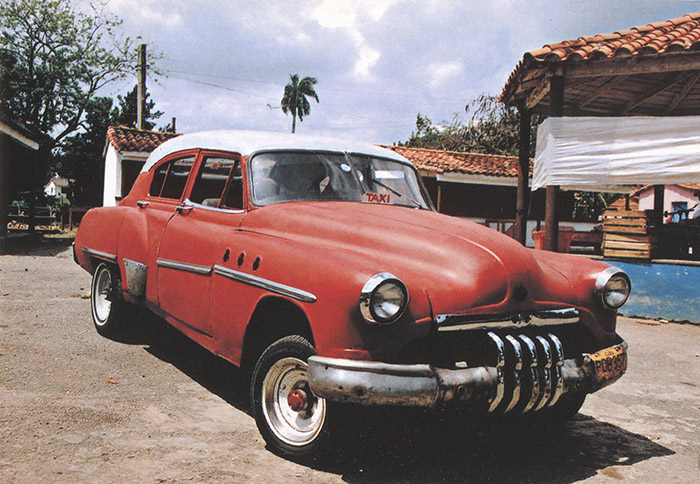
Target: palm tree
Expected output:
[294,100]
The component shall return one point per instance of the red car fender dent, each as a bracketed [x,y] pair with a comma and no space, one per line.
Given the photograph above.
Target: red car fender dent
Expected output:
[98,233]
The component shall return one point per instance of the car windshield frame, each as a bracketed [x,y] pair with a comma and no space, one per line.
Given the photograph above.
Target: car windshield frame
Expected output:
[346,162]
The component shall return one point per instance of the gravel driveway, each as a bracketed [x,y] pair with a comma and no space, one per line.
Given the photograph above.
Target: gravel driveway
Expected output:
[79,408]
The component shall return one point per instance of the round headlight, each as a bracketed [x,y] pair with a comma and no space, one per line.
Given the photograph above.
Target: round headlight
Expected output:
[383,299]
[613,287]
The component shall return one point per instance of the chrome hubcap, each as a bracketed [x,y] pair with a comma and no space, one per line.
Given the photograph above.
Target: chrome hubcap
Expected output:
[293,413]
[101,296]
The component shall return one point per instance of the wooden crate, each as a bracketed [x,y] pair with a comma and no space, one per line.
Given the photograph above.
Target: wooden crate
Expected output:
[626,235]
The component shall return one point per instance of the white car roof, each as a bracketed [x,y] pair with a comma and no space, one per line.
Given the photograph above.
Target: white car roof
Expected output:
[249,142]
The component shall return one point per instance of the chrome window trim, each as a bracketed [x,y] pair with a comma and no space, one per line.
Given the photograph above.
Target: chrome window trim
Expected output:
[471,322]
[99,254]
[184,266]
[190,203]
[272,286]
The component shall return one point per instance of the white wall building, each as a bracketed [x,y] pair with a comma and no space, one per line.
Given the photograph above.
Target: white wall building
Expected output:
[126,150]
[676,197]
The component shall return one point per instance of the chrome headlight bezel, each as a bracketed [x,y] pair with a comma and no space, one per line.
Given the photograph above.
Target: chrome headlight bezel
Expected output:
[373,288]
[604,287]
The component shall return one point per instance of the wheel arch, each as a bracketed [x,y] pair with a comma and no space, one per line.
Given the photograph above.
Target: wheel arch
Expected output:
[273,318]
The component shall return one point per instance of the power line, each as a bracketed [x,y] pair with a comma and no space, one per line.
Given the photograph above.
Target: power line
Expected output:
[211,84]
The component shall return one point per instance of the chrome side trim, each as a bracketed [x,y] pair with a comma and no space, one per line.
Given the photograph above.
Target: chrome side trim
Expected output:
[534,378]
[184,266]
[517,349]
[500,363]
[546,372]
[100,255]
[549,317]
[265,284]
[135,277]
[559,385]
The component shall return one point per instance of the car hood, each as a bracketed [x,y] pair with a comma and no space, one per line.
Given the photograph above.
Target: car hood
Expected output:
[461,266]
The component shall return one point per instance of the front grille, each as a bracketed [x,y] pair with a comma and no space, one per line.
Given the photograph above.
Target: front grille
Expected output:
[528,360]
[459,349]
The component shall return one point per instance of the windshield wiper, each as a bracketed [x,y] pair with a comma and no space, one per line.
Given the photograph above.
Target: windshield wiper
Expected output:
[381,184]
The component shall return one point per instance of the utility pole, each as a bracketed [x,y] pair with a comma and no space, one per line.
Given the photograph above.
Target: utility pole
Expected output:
[141,87]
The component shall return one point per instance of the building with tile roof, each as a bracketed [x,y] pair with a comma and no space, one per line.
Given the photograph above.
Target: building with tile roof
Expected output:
[644,70]
[649,70]
[476,168]
[126,151]
[478,186]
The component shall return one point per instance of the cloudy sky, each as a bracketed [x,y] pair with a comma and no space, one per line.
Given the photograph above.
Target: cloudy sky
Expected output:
[378,62]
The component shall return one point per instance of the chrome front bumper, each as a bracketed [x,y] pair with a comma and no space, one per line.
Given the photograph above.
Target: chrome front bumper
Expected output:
[538,384]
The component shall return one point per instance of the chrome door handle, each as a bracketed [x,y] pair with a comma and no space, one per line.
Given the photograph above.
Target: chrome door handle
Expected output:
[184,209]
[143,203]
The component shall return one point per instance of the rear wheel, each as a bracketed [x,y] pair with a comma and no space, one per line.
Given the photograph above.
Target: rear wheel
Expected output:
[108,306]
[293,421]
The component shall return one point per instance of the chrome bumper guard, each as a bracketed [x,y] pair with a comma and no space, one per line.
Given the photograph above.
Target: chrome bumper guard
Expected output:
[534,377]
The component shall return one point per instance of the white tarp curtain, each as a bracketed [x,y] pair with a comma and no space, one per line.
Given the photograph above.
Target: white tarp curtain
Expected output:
[603,153]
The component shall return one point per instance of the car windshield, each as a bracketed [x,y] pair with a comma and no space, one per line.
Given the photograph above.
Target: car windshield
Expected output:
[295,176]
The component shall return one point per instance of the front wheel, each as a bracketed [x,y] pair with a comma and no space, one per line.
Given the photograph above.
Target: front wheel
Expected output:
[293,421]
[108,306]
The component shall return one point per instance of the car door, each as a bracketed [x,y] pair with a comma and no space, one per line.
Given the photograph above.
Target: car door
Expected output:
[160,205]
[191,242]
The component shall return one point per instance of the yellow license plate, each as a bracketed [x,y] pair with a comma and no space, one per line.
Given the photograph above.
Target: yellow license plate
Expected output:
[610,363]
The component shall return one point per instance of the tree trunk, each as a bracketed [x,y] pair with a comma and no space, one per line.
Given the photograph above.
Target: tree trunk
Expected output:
[294,122]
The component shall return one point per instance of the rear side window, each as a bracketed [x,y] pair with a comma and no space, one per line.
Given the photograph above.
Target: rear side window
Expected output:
[170,178]
[210,183]
[234,194]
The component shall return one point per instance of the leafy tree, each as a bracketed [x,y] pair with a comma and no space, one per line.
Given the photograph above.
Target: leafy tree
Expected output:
[60,57]
[492,128]
[81,157]
[125,113]
[295,96]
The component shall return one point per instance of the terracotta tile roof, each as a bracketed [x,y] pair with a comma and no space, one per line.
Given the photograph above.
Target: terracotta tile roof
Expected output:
[687,186]
[439,162]
[128,139]
[676,35]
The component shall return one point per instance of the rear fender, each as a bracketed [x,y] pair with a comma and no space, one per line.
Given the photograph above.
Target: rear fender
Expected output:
[97,237]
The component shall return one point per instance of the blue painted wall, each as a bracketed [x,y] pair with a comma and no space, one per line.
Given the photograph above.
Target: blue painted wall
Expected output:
[663,291]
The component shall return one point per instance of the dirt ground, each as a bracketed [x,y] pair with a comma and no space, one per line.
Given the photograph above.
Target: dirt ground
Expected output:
[79,408]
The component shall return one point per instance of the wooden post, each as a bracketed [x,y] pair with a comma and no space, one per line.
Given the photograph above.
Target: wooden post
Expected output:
[141,87]
[439,196]
[172,125]
[551,219]
[4,189]
[520,230]
[658,217]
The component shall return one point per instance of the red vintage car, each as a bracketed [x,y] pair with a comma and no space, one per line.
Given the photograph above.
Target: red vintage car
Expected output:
[320,267]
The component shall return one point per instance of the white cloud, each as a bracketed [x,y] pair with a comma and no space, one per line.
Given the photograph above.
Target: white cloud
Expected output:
[441,73]
[157,12]
[351,17]
[378,62]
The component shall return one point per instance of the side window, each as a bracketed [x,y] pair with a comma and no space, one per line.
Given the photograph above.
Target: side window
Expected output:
[210,183]
[170,179]
[158,178]
[234,192]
